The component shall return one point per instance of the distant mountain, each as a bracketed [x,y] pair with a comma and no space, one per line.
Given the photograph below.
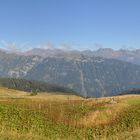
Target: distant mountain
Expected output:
[132,56]
[43,52]
[89,76]
[12,65]
[82,72]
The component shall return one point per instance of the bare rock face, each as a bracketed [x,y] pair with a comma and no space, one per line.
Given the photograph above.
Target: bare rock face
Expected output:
[12,65]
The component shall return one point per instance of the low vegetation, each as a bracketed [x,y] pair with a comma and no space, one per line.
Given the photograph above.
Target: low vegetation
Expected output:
[68,117]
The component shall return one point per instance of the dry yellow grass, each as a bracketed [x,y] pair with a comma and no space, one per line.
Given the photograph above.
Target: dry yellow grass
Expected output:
[11,93]
[94,118]
[101,111]
[68,111]
[55,97]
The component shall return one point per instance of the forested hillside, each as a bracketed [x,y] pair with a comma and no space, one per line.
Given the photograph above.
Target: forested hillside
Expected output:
[32,85]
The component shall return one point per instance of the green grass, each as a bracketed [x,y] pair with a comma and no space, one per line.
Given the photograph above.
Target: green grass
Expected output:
[31,119]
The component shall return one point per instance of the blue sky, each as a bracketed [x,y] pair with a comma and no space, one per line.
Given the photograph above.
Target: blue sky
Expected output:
[82,24]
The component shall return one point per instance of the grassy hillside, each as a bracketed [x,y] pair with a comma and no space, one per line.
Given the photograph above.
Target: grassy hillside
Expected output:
[68,117]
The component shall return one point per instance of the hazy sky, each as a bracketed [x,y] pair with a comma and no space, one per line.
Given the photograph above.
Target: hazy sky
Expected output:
[79,23]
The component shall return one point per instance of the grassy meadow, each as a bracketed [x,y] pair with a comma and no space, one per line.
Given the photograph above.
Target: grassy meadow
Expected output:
[67,117]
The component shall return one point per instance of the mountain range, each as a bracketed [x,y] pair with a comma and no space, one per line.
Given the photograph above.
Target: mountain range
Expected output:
[104,72]
[132,56]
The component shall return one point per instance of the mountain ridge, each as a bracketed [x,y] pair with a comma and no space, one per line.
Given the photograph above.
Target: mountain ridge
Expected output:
[132,56]
[88,75]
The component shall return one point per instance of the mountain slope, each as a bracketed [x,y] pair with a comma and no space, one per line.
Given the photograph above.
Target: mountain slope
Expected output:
[132,56]
[12,65]
[89,76]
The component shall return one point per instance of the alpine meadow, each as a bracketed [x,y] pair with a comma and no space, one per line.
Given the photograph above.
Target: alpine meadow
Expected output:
[69,70]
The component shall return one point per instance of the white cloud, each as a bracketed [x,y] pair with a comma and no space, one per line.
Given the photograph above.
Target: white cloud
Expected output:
[13,46]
